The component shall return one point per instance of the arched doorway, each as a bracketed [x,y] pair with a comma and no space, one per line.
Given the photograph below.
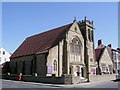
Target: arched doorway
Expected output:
[78,70]
[82,72]
[71,70]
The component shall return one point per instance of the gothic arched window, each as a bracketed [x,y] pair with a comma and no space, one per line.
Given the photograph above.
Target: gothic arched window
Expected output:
[55,65]
[76,49]
[76,46]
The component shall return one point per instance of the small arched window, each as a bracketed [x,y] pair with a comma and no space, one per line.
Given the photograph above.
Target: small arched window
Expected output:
[55,65]
[75,28]
[91,60]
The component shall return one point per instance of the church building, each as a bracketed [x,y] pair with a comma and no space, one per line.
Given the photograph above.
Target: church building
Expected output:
[68,49]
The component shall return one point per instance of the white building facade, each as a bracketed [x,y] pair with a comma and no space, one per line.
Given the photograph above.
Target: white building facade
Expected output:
[4,56]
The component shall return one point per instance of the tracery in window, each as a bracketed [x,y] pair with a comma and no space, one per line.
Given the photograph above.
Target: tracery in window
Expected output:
[76,46]
[76,49]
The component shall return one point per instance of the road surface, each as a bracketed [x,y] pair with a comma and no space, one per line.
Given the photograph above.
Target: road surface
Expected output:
[33,85]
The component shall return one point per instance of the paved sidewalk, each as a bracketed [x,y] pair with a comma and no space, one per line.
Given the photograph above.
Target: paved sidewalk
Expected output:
[104,83]
[96,81]
[105,77]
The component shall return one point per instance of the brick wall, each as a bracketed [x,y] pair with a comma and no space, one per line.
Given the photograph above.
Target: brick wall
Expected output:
[65,79]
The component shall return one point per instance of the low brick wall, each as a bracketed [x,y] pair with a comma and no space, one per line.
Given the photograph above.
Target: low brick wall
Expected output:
[10,77]
[52,80]
[65,79]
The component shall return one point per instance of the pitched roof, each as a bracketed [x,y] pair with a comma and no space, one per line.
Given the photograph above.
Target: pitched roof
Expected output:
[116,50]
[41,43]
[99,51]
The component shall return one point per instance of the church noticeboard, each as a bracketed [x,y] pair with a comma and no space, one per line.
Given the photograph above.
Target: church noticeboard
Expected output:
[49,69]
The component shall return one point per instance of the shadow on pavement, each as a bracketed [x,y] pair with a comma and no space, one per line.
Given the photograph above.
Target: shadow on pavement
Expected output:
[62,89]
[116,80]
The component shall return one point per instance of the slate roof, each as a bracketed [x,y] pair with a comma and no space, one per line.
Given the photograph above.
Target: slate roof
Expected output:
[41,43]
[100,49]
[98,52]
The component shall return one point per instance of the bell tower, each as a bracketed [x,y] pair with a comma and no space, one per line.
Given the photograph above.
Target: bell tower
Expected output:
[87,29]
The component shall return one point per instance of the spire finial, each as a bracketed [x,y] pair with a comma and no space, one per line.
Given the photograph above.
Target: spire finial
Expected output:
[74,19]
[85,18]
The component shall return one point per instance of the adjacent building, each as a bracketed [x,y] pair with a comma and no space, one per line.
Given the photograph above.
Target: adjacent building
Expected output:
[104,59]
[116,59]
[4,58]
[68,49]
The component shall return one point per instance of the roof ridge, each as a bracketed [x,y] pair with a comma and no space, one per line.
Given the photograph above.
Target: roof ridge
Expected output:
[48,30]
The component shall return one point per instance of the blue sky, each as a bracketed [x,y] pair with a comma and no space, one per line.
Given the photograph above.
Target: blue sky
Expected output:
[119,25]
[0,24]
[20,20]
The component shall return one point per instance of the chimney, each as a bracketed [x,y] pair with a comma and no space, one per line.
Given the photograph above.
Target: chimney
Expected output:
[110,45]
[99,42]
[118,49]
